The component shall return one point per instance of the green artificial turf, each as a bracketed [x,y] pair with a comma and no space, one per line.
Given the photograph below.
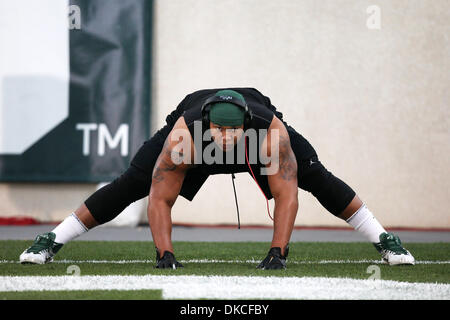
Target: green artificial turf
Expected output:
[305,259]
[83,295]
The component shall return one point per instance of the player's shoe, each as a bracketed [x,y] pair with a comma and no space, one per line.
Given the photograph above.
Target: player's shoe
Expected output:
[392,251]
[42,250]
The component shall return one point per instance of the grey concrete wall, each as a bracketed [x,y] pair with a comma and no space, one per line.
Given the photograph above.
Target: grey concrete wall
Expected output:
[373,102]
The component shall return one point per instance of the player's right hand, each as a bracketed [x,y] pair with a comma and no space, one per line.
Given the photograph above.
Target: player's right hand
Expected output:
[167,261]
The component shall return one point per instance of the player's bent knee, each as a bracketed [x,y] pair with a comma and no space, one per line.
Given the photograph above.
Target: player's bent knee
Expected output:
[332,193]
[108,202]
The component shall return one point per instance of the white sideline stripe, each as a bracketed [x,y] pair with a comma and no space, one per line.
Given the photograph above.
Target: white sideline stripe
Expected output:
[237,287]
[230,261]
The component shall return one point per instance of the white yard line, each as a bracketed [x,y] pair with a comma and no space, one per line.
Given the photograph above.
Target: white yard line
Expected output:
[221,287]
[230,261]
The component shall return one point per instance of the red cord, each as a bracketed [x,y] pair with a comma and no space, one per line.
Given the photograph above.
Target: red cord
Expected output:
[248,163]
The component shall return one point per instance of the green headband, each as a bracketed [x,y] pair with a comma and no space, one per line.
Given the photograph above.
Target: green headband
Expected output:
[227,114]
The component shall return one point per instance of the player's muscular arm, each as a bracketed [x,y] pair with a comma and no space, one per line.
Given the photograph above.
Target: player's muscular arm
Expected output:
[283,183]
[168,175]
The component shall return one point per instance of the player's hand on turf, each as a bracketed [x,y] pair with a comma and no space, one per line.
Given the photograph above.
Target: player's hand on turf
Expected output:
[167,261]
[274,260]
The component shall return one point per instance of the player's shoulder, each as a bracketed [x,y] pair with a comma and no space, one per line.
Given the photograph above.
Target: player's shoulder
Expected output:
[180,123]
[179,130]
[277,124]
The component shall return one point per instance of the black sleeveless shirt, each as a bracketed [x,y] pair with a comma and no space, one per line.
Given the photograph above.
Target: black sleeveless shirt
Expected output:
[190,108]
[262,117]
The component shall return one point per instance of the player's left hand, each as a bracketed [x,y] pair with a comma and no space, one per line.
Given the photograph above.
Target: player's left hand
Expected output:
[274,260]
[167,261]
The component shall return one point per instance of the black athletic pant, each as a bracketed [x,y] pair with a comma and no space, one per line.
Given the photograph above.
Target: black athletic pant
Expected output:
[134,184]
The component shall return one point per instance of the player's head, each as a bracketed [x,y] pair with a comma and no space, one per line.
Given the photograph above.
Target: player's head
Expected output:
[227,116]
